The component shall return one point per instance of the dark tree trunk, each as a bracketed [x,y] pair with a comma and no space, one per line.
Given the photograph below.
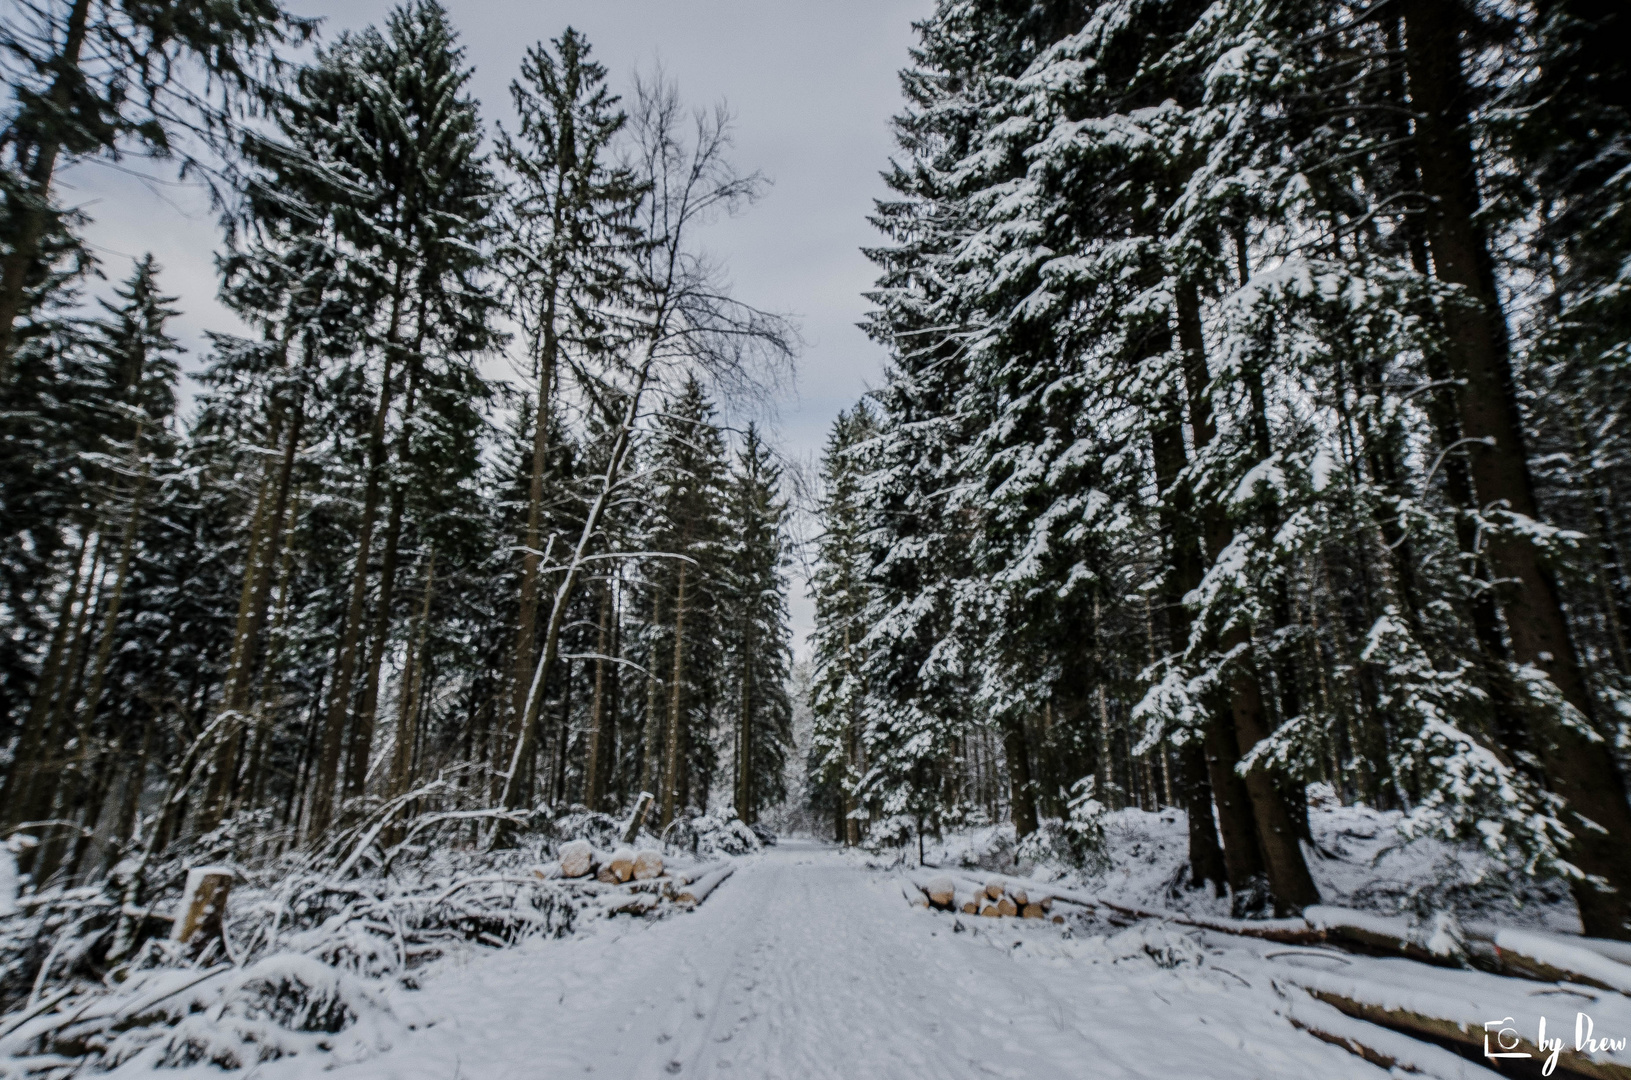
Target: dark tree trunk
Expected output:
[1577,767]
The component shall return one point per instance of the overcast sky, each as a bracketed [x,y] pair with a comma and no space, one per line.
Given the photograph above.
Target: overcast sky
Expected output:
[812,84]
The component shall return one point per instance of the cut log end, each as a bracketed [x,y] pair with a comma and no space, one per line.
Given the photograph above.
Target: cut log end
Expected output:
[647,865]
[577,858]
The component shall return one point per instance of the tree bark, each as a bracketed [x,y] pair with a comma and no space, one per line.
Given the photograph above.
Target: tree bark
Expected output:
[328,762]
[401,779]
[1289,882]
[1577,762]
[1021,792]
[32,210]
[31,739]
[591,768]
[671,741]
[526,629]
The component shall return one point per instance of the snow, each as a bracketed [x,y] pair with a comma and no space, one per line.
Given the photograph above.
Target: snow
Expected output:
[1361,862]
[810,964]
[1567,957]
[811,961]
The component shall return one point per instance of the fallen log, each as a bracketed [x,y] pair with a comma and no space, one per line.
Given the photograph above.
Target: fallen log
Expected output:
[621,864]
[697,891]
[647,865]
[1384,1047]
[1552,959]
[1445,1031]
[634,903]
[914,895]
[690,874]
[577,858]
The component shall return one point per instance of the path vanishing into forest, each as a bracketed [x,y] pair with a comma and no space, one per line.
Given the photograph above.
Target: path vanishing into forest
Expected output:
[806,965]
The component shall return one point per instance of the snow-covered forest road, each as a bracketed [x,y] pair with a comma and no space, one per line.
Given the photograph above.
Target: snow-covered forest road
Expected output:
[805,965]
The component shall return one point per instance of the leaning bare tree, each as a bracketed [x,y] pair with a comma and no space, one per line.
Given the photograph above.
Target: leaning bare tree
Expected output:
[679,318]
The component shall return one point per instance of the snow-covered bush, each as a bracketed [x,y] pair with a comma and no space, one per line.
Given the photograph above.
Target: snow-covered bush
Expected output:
[1471,792]
[891,833]
[719,832]
[603,831]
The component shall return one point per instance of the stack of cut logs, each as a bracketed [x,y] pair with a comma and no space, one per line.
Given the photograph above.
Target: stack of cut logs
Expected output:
[995,898]
[637,878]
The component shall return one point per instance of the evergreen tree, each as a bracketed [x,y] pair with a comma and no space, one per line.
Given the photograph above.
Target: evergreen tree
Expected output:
[840,587]
[567,217]
[754,624]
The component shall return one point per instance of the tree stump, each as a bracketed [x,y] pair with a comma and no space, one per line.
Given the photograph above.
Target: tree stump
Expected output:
[203,906]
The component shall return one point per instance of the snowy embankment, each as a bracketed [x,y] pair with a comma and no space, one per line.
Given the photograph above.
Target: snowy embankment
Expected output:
[1421,951]
[807,964]
[302,962]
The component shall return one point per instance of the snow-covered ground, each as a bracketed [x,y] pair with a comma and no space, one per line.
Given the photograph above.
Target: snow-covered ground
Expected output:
[1360,861]
[808,964]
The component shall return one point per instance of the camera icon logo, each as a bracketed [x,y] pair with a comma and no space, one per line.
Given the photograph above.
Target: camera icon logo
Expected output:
[1506,1039]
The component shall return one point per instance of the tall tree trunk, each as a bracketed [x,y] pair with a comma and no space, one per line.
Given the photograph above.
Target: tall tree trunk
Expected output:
[31,740]
[265,545]
[40,798]
[325,781]
[1021,792]
[1184,570]
[88,779]
[744,742]
[362,726]
[1577,763]
[592,767]
[617,460]
[650,755]
[1289,882]
[671,743]
[407,711]
[527,624]
[30,208]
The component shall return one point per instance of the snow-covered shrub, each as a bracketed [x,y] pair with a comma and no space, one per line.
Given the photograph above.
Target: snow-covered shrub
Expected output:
[601,830]
[1470,792]
[721,832]
[1077,841]
[891,833]
[986,847]
[280,1006]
